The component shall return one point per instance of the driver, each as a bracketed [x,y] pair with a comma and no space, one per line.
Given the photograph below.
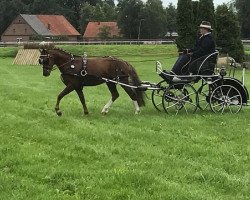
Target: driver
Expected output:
[204,45]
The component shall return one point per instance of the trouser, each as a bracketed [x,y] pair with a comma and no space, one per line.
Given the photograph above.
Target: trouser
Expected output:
[181,65]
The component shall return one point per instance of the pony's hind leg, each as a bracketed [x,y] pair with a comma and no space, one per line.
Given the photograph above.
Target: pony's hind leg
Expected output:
[82,99]
[115,95]
[133,96]
[67,90]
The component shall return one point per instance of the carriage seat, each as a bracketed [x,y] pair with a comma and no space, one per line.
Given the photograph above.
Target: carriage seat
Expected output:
[204,65]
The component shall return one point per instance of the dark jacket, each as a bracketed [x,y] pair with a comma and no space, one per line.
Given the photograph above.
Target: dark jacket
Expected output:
[204,45]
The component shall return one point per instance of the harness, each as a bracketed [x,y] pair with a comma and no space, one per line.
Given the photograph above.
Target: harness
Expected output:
[83,73]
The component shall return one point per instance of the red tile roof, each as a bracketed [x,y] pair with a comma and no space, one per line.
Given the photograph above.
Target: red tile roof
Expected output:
[93,29]
[58,25]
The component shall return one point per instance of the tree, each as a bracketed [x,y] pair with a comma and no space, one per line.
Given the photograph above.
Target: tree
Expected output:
[129,17]
[171,18]
[100,12]
[206,12]
[110,2]
[9,11]
[104,32]
[195,5]
[243,7]
[228,32]
[155,19]
[185,25]
[93,2]
[45,7]
[71,10]
[104,12]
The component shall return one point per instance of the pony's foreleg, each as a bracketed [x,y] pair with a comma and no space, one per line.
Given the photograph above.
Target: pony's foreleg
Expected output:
[67,90]
[82,99]
[115,95]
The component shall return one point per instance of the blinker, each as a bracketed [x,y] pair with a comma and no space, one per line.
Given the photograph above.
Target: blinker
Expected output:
[40,61]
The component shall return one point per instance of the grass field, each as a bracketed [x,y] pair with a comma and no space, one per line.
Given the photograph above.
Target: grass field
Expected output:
[120,155]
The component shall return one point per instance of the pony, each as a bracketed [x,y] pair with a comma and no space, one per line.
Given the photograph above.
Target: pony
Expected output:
[78,72]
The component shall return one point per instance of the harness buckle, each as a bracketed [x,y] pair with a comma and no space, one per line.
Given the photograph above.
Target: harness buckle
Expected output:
[83,72]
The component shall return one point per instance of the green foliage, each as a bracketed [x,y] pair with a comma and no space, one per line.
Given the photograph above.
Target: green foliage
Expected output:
[155,20]
[228,32]
[93,2]
[206,12]
[120,155]
[73,10]
[149,19]
[195,5]
[101,12]
[104,32]
[243,7]
[171,13]
[130,14]
[185,25]
[8,52]
[9,9]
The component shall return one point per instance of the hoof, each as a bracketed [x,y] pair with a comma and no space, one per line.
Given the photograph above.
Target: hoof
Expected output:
[59,113]
[86,113]
[137,112]
[105,111]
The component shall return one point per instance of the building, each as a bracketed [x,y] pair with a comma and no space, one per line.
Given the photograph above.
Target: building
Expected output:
[24,27]
[94,29]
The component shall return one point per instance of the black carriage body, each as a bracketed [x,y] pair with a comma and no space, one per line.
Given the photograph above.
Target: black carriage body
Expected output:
[235,83]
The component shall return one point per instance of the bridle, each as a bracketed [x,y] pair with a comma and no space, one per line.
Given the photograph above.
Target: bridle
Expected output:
[45,59]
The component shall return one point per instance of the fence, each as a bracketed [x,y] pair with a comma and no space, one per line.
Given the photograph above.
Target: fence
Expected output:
[96,42]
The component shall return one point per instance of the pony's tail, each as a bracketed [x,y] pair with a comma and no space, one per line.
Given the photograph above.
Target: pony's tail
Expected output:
[140,94]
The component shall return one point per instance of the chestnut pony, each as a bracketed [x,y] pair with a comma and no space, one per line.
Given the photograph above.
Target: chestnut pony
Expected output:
[77,72]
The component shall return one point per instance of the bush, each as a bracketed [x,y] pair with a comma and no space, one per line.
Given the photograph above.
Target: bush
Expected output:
[8,51]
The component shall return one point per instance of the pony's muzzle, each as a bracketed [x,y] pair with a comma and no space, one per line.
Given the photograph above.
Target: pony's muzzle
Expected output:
[46,72]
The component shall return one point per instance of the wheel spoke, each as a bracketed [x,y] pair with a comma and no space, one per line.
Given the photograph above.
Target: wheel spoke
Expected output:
[180,98]
[226,98]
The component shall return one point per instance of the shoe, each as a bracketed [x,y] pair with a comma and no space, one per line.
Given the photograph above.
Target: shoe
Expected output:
[176,79]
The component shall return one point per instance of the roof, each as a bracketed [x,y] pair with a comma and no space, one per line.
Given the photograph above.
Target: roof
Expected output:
[50,25]
[93,29]
[36,24]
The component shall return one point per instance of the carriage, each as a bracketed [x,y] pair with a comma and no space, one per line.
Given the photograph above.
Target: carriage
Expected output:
[204,87]
[207,87]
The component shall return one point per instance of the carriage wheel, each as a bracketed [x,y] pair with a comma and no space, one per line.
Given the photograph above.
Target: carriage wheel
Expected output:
[158,94]
[203,96]
[225,98]
[180,98]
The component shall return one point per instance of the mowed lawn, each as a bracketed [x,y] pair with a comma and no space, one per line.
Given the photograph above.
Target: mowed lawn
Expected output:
[120,155]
